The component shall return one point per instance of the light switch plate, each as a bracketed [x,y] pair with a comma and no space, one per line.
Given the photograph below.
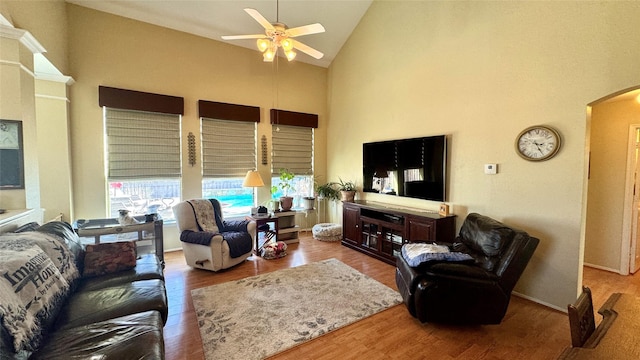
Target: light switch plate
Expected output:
[490,169]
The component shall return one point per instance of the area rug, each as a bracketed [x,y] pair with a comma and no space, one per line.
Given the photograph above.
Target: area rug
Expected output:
[260,316]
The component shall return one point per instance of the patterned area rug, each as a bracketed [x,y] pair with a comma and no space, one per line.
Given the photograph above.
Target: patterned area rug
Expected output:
[263,315]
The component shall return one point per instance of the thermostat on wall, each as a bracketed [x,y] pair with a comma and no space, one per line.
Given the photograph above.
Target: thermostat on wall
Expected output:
[490,169]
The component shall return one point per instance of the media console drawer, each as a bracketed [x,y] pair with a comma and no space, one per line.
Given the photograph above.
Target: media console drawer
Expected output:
[380,231]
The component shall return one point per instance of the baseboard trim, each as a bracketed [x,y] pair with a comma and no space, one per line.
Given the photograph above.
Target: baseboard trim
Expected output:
[617,271]
[539,302]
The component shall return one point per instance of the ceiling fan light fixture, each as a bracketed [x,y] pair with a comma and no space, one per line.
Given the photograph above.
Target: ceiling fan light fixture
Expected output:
[290,54]
[263,44]
[287,44]
[268,55]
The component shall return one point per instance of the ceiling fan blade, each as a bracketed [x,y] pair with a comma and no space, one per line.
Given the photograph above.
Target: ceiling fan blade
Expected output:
[259,18]
[240,37]
[307,49]
[305,30]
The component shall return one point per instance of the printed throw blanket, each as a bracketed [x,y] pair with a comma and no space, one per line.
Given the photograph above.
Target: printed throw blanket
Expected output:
[36,274]
[205,215]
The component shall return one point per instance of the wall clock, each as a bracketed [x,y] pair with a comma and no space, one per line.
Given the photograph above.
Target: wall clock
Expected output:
[538,143]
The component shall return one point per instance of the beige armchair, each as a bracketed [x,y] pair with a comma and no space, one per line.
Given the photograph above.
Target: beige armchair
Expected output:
[214,245]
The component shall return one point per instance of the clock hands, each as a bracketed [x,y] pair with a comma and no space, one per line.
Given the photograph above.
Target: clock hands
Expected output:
[538,146]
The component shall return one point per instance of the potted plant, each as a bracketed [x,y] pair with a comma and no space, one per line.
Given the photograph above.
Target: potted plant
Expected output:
[308,187]
[327,191]
[308,202]
[286,179]
[347,190]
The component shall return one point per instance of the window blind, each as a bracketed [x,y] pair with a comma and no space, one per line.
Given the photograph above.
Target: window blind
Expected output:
[228,148]
[292,149]
[142,144]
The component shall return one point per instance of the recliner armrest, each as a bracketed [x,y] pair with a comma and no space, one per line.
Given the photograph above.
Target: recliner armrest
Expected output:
[200,237]
[459,272]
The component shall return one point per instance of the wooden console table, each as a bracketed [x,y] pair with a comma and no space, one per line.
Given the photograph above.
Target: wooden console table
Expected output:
[380,230]
[616,337]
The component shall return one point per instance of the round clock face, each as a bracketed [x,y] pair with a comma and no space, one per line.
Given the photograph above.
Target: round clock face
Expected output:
[538,143]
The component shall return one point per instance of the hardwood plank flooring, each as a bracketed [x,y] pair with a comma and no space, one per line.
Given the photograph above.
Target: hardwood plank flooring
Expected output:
[528,331]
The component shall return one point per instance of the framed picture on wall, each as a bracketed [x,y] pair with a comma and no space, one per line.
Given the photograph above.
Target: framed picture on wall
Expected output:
[11,155]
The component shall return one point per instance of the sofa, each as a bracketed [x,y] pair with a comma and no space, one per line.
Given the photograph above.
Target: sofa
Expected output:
[475,286]
[62,300]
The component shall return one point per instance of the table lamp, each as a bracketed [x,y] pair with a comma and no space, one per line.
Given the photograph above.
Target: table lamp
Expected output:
[253,179]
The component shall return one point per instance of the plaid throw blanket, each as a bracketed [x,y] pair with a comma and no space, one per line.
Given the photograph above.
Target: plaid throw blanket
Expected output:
[37,271]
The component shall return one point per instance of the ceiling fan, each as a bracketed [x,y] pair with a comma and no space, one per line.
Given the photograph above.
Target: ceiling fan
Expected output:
[278,35]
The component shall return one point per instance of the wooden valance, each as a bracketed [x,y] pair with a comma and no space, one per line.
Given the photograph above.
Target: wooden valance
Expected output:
[141,101]
[224,111]
[283,117]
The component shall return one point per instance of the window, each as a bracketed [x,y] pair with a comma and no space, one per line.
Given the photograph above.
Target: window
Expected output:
[144,163]
[228,152]
[293,150]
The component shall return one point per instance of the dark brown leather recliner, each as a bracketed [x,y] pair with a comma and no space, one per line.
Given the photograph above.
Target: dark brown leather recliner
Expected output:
[476,292]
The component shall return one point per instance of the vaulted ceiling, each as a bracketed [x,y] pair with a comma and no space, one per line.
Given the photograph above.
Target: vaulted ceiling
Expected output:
[214,18]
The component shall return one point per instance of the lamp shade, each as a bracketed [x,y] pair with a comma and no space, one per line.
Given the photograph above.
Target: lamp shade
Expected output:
[252,179]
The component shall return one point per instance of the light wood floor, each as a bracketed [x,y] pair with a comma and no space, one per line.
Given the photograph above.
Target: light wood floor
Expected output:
[528,331]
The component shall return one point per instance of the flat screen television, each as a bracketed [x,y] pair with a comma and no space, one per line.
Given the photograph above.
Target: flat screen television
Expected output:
[413,168]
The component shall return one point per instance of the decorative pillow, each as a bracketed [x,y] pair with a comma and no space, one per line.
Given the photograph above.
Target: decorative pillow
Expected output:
[107,258]
[418,253]
[31,292]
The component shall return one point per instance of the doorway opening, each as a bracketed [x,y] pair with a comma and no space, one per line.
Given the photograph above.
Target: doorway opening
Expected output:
[611,223]
[631,217]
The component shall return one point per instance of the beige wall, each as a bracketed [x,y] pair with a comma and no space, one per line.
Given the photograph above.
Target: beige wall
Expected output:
[481,72]
[53,149]
[114,51]
[610,122]
[46,20]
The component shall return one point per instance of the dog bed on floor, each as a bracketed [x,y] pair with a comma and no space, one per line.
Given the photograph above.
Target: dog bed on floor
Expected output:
[327,232]
[274,250]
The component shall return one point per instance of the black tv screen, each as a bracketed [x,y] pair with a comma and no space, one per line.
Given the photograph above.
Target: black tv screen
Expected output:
[407,167]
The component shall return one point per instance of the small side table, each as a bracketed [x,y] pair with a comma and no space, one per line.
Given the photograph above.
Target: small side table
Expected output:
[268,234]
